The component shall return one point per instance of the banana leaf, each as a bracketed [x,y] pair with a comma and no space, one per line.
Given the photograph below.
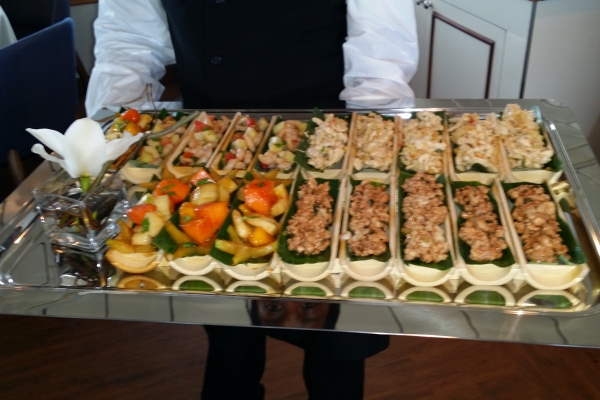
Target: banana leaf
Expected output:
[284,252]
[413,115]
[566,234]
[301,158]
[196,285]
[550,301]
[422,295]
[507,258]
[442,265]
[384,257]
[308,291]
[366,292]
[250,289]
[486,297]
[369,169]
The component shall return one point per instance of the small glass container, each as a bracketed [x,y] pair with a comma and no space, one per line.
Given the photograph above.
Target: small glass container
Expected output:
[74,219]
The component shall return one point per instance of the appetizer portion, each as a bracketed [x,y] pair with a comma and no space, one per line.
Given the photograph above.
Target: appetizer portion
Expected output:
[481,230]
[525,144]
[373,142]
[369,219]
[535,220]
[308,229]
[254,226]
[132,121]
[475,143]
[422,144]
[423,211]
[327,144]
[205,135]
[246,138]
[282,146]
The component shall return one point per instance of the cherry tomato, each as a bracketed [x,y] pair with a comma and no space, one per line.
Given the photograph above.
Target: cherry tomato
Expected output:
[260,196]
[137,213]
[131,115]
[201,126]
[229,156]
[174,188]
[188,154]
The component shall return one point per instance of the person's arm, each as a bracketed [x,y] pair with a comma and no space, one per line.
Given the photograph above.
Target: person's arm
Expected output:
[133,45]
[380,54]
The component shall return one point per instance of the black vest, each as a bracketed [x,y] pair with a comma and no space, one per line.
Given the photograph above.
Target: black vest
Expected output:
[258,53]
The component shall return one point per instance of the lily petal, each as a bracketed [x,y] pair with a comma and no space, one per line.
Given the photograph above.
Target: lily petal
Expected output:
[39,149]
[116,147]
[51,138]
[85,148]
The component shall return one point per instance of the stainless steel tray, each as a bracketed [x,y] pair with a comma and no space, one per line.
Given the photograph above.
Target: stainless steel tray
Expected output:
[47,276]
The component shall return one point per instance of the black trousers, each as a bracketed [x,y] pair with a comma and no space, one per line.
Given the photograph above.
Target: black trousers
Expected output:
[334,362]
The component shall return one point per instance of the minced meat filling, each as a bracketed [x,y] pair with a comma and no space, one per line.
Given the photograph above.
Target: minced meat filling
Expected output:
[308,229]
[370,218]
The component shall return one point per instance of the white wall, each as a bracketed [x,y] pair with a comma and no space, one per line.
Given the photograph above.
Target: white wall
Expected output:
[84,16]
[564,62]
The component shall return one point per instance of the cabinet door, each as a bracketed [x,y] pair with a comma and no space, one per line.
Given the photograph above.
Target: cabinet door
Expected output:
[465,55]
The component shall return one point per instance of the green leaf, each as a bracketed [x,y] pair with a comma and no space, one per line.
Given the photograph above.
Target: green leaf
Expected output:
[203,181]
[442,265]
[196,285]
[249,289]
[550,301]
[486,297]
[366,292]
[301,158]
[284,252]
[145,225]
[566,234]
[308,291]
[508,258]
[164,113]
[423,295]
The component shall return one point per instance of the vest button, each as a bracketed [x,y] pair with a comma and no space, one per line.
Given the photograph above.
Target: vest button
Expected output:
[216,60]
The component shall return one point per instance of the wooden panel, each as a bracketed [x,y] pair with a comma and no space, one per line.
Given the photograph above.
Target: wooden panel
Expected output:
[460,61]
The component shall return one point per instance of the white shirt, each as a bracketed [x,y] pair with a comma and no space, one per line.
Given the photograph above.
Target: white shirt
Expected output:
[380,53]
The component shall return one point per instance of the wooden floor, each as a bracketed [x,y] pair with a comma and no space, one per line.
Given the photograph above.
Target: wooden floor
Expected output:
[51,358]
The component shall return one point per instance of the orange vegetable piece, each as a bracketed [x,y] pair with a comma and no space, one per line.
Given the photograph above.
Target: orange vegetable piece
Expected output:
[208,219]
[131,115]
[200,175]
[260,237]
[260,196]
[137,213]
[174,188]
[133,128]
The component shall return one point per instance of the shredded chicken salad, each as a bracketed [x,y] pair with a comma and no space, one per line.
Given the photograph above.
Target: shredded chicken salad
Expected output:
[328,143]
[525,144]
[369,219]
[422,143]
[374,142]
[476,142]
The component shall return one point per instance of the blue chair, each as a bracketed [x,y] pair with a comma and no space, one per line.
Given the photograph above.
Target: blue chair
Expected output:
[38,86]
[29,16]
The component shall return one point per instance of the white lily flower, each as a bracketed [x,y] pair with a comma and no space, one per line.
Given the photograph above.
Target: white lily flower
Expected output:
[83,148]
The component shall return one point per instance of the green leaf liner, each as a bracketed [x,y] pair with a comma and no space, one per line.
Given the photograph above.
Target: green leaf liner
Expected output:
[384,257]
[368,169]
[265,148]
[413,115]
[442,265]
[422,295]
[250,289]
[508,258]
[366,292]
[284,252]
[550,301]
[196,285]
[486,297]
[308,291]
[575,251]
[222,234]
[301,158]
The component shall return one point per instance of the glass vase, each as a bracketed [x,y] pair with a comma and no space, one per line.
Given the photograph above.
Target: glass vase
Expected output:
[74,219]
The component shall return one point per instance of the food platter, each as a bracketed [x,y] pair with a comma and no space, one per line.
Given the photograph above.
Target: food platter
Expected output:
[341,277]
